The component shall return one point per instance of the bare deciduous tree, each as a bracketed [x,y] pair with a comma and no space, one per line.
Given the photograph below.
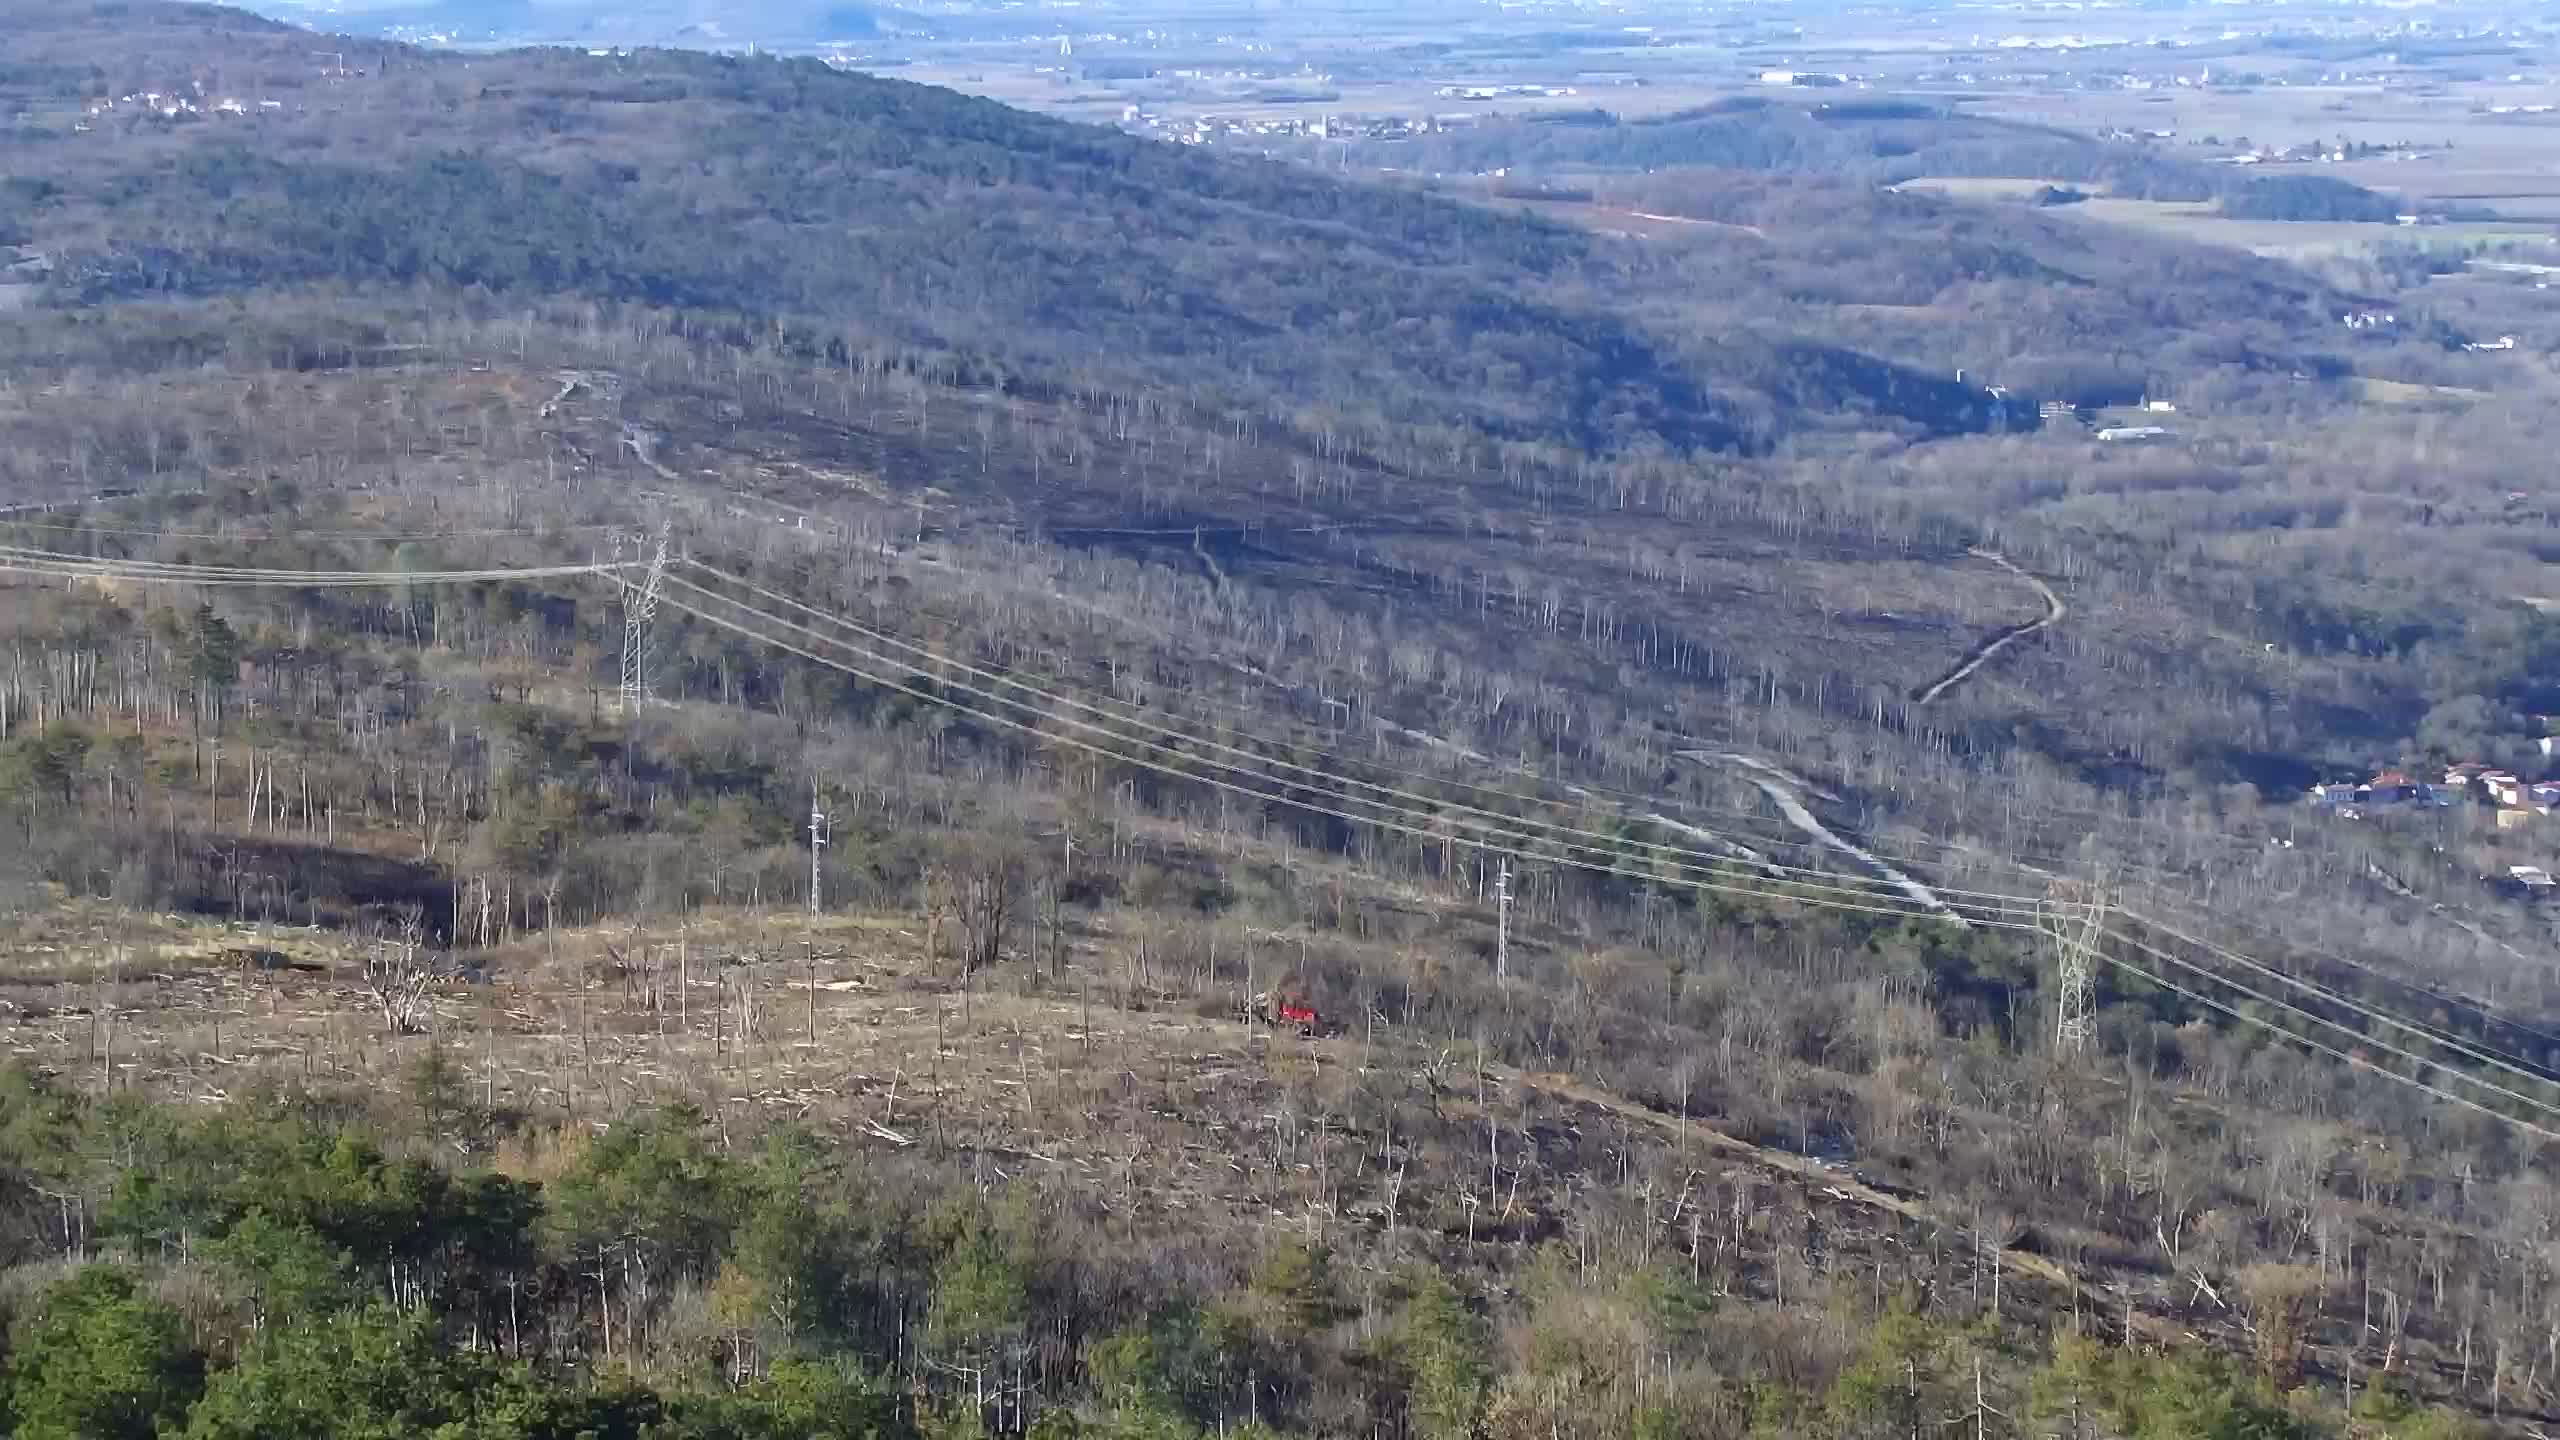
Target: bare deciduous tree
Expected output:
[399,970]
[979,886]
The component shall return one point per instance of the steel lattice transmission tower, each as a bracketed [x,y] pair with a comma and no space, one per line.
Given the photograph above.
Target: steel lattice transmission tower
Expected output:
[2074,919]
[639,606]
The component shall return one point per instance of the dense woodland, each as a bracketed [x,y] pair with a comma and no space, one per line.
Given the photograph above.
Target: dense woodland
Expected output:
[290,1276]
[498,1105]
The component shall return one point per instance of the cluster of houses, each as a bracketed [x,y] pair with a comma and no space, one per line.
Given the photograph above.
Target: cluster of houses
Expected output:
[173,106]
[2517,801]
[2318,152]
[1503,92]
[1216,129]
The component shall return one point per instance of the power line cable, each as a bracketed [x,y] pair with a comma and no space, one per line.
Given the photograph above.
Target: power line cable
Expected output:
[1397,816]
[1510,826]
[27,562]
[2478,1053]
[1518,827]
[1764,892]
[2156,953]
[2352,1062]
[189,574]
[1693,857]
[2482,1050]
[2487,1013]
[152,533]
[2465,1048]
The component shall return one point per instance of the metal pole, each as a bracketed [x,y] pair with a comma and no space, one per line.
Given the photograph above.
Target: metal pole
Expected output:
[639,606]
[819,829]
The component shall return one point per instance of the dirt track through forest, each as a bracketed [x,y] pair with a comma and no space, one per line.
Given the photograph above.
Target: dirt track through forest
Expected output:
[1982,654]
[1782,787]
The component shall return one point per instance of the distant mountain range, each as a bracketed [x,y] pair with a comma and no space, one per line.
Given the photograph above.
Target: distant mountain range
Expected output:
[597,22]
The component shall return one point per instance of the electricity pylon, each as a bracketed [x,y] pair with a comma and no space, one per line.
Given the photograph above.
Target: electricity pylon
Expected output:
[2074,919]
[639,605]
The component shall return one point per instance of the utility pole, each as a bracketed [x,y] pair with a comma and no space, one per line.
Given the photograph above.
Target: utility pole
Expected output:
[639,606]
[821,829]
[1502,922]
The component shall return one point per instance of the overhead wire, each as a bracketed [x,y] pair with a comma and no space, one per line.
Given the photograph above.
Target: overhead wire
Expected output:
[195,574]
[1401,826]
[1514,829]
[1577,787]
[2481,1050]
[2353,1062]
[140,532]
[199,573]
[1897,851]
[2515,1065]
[1097,706]
[2369,1013]
[2077,815]
[1340,757]
[1514,832]
[1764,892]
[186,567]
[2476,1052]
[927,655]
[2487,1013]
[27,563]
[2163,956]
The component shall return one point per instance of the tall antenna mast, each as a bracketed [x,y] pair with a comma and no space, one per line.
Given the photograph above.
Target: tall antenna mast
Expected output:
[639,606]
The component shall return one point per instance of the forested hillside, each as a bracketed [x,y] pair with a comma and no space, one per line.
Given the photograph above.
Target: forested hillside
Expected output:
[1255,803]
[852,211]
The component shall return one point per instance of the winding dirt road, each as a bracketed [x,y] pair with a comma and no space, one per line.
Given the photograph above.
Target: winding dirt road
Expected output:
[1781,787]
[1982,654]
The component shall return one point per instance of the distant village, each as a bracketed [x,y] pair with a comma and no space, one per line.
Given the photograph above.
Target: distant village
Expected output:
[2517,802]
[194,102]
[2512,802]
[191,103]
[1214,129]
